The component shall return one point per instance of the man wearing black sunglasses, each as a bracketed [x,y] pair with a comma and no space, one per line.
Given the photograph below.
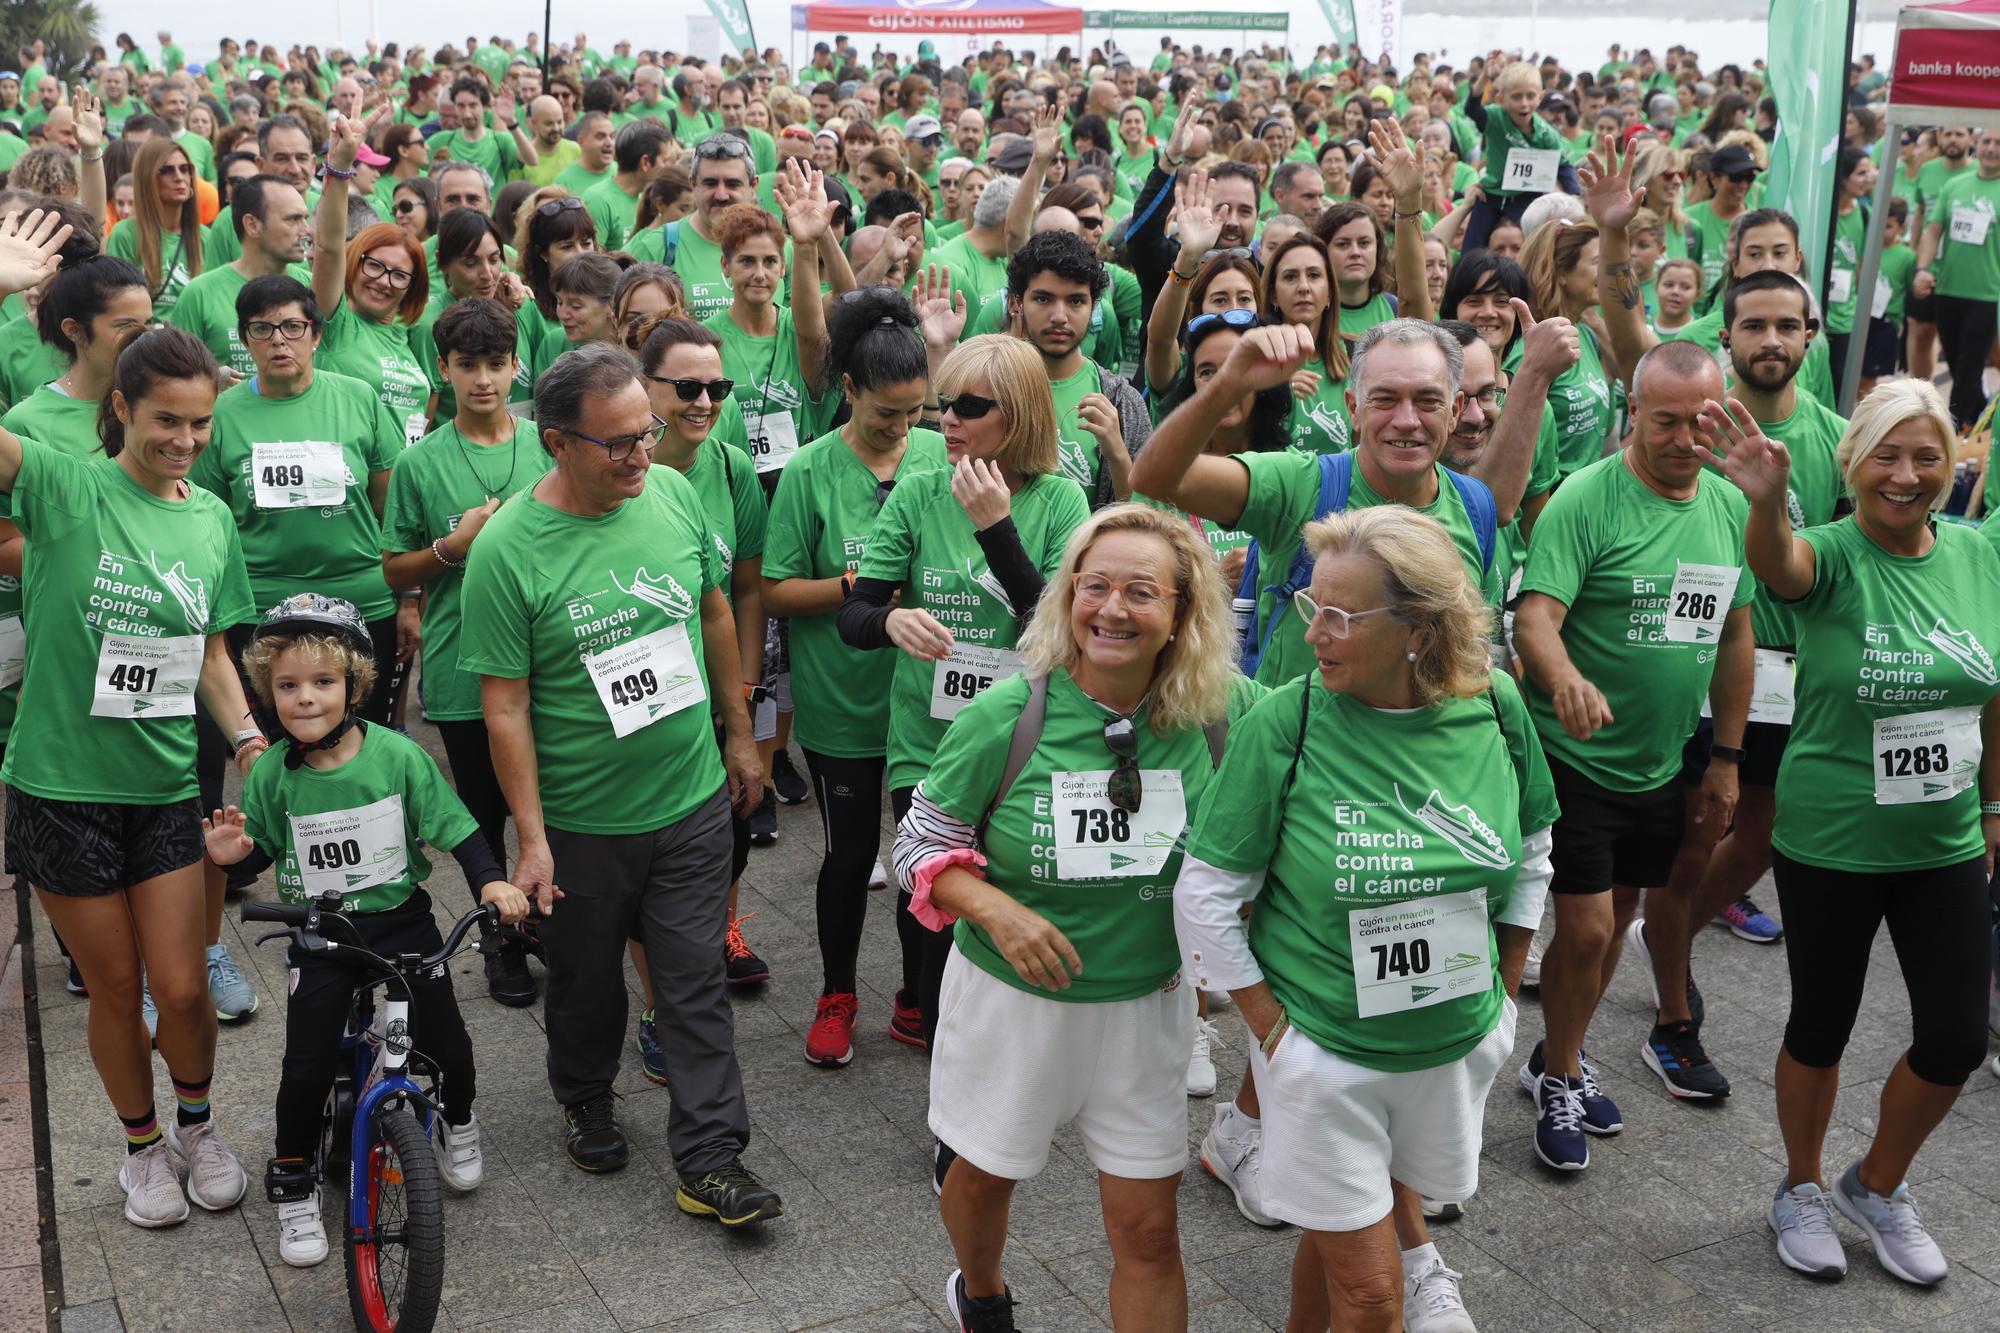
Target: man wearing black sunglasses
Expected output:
[595,615]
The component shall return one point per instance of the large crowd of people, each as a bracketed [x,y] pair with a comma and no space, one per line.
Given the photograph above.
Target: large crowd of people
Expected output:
[1285,535]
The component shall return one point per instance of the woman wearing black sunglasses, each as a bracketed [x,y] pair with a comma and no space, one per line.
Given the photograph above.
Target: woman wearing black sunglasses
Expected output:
[413,207]
[969,547]
[826,506]
[1380,811]
[1062,994]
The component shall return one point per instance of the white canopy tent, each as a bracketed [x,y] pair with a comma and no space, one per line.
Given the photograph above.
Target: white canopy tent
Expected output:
[1946,72]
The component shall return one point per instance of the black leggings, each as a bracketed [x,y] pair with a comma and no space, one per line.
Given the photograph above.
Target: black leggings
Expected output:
[316,1012]
[1940,922]
[849,795]
[927,948]
[1966,327]
[472,776]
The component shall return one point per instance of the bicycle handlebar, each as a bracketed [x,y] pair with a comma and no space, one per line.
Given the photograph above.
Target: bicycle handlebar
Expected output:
[302,924]
[285,914]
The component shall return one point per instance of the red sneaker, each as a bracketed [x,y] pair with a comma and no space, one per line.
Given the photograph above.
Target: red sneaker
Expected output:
[907,1025]
[830,1040]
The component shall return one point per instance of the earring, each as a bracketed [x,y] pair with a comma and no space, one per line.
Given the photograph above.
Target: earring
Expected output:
[1172,637]
[1412,656]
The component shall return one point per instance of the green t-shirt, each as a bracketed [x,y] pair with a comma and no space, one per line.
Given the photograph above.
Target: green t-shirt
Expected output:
[1220,540]
[827,503]
[26,362]
[1580,401]
[207,309]
[1056,845]
[602,615]
[1132,171]
[1356,320]
[50,416]
[983,280]
[615,212]
[431,487]
[1932,177]
[1502,136]
[552,162]
[1968,262]
[1284,495]
[200,152]
[124,244]
[528,331]
[1321,424]
[580,180]
[305,530]
[699,262]
[1424,807]
[380,355]
[360,828]
[1625,560]
[732,501]
[495,151]
[780,413]
[924,542]
[1850,231]
[1708,244]
[1884,637]
[1811,434]
[1075,446]
[109,566]
[1899,269]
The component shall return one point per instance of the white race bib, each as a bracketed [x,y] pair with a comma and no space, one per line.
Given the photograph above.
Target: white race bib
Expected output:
[1923,757]
[13,652]
[643,680]
[347,851]
[141,677]
[969,672]
[1530,170]
[1968,226]
[773,439]
[1411,955]
[1699,601]
[1840,286]
[1879,308]
[415,427]
[299,474]
[1773,687]
[1095,839]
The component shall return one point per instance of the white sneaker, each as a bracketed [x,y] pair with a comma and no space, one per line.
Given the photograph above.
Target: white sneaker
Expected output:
[215,1178]
[1231,1151]
[301,1234]
[878,878]
[153,1195]
[1993,1066]
[458,1157]
[1431,1303]
[1201,1065]
[1531,971]
[1441,1210]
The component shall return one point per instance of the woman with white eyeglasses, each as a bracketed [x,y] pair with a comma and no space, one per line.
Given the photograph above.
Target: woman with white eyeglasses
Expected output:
[1048,827]
[1380,812]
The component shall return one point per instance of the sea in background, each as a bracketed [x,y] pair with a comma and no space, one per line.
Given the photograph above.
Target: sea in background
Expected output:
[1577,32]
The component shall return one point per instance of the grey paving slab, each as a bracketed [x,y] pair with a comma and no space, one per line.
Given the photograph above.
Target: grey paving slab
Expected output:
[1664,1234]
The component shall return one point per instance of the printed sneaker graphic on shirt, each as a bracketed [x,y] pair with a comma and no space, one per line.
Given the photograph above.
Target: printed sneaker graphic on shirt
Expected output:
[1961,647]
[190,592]
[1458,825]
[1330,421]
[1075,461]
[662,590]
[991,584]
[1460,961]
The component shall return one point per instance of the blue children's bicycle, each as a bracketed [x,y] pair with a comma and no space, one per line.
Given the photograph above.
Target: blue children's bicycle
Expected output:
[379,1121]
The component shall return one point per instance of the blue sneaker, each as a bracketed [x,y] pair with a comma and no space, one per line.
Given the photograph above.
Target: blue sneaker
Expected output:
[232,996]
[1600,1113]
[1747,921]
[1559,1138]
[652,1059]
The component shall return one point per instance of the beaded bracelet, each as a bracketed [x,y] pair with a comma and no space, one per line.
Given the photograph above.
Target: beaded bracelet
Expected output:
[444,557]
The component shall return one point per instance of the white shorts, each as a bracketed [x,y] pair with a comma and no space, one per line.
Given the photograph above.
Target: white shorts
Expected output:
[1336,1133]
[1009,1069]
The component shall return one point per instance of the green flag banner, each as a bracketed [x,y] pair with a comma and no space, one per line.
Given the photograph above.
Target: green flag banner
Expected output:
[734,16]
[1808,61]
[1340,17]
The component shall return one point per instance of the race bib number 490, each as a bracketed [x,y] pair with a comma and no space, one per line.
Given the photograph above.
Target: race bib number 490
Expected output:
[1095,839]
[1414,954]
[347,851]
[140,677]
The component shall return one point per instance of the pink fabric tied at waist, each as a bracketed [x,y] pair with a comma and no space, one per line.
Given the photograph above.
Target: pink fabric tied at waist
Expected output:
[927,913]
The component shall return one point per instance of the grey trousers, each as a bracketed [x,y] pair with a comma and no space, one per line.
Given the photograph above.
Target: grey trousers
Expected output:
[670,888]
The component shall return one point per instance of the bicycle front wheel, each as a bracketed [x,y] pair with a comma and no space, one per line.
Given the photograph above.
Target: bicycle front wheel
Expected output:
[395,1275]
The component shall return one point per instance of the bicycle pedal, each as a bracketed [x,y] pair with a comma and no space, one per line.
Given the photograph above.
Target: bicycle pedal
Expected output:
[289,1180]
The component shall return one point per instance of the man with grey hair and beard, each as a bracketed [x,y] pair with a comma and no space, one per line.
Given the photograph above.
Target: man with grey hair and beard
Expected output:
[596,619]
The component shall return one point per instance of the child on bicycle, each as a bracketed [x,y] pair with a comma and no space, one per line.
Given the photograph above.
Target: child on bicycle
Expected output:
[341,805]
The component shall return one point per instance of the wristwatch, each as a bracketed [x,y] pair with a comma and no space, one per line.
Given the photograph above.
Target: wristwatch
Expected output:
[756,694]
[1734,754]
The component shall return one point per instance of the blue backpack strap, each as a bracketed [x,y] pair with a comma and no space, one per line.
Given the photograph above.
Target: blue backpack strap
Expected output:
[670,243]
[1336,480]
[1481,508]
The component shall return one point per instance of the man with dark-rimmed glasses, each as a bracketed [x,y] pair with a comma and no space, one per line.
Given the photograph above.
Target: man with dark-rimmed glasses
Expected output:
[595,615]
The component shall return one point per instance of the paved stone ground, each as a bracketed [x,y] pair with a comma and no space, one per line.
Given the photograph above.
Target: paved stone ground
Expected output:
[1665,1232]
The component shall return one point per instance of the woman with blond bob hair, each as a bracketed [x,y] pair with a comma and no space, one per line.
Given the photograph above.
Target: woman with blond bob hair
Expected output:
[1047,829]
[1906,758]
[1380,811]
[970,547]
[163,234]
